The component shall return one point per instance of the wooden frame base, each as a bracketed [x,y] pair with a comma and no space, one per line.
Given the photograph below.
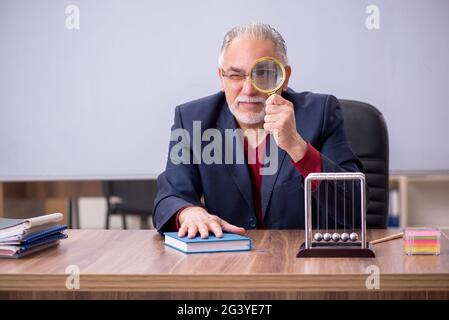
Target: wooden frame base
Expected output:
[336,252]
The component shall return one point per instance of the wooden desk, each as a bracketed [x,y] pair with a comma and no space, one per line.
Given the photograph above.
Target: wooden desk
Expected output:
[135,264]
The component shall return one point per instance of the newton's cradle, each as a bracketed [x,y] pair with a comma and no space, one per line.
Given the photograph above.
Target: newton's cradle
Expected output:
[335,220]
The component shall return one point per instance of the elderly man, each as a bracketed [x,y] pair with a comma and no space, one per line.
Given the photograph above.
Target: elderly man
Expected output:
[304,131]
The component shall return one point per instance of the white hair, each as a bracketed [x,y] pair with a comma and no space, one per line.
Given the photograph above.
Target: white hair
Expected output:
[257,31]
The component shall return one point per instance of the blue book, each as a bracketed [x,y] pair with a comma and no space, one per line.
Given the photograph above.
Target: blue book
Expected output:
[42,241]
[43,234]
[33,236]
[229,242]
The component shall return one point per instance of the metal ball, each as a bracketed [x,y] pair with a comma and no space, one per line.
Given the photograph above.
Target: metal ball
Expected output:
[344,237]
[353,236]
[327,236]
[318,236]
[336,237]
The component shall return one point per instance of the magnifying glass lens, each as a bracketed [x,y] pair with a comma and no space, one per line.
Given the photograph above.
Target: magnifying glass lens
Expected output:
[267,75]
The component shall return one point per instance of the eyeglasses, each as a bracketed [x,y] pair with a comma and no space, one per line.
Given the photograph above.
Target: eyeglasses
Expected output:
[233,76]
[267,75]
[257,75]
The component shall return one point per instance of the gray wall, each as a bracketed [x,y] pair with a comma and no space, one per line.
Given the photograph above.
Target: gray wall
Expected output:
[98,102]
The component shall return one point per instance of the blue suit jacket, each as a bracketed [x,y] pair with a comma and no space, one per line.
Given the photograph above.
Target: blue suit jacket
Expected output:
[227,188]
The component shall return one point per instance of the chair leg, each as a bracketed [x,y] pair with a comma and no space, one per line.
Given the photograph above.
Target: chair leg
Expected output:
[107,219]
[108,215]
[124,221]
[144,222]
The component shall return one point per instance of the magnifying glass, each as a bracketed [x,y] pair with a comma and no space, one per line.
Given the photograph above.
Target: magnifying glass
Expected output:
[267,75]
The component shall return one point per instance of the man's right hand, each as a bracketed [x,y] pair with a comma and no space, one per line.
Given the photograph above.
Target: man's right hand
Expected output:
[195,220]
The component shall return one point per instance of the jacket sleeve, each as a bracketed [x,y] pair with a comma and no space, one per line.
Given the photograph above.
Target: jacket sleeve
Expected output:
[179,185]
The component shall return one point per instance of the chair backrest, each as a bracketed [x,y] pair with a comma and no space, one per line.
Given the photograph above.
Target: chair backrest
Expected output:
[367,132]
[136,195]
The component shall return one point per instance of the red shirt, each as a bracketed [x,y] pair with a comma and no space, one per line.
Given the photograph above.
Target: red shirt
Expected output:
[255,158]
[311,162]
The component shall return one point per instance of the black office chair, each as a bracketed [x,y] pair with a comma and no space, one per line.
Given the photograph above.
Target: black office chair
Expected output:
[130,197]
[368,134]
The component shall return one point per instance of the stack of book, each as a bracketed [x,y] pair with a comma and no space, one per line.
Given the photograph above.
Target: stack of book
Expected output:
[21,237]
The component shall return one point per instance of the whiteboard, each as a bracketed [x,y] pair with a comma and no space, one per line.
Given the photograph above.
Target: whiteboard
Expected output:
[98,102]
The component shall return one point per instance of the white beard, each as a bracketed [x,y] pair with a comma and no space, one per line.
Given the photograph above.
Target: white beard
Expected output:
[245,118]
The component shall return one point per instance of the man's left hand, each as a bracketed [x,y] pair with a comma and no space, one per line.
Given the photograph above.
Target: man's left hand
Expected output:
[280,121]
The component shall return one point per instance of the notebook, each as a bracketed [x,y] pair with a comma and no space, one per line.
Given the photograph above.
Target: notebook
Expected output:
[229,242]
[23,253]
[11,227]
[31,237]
[16,251]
